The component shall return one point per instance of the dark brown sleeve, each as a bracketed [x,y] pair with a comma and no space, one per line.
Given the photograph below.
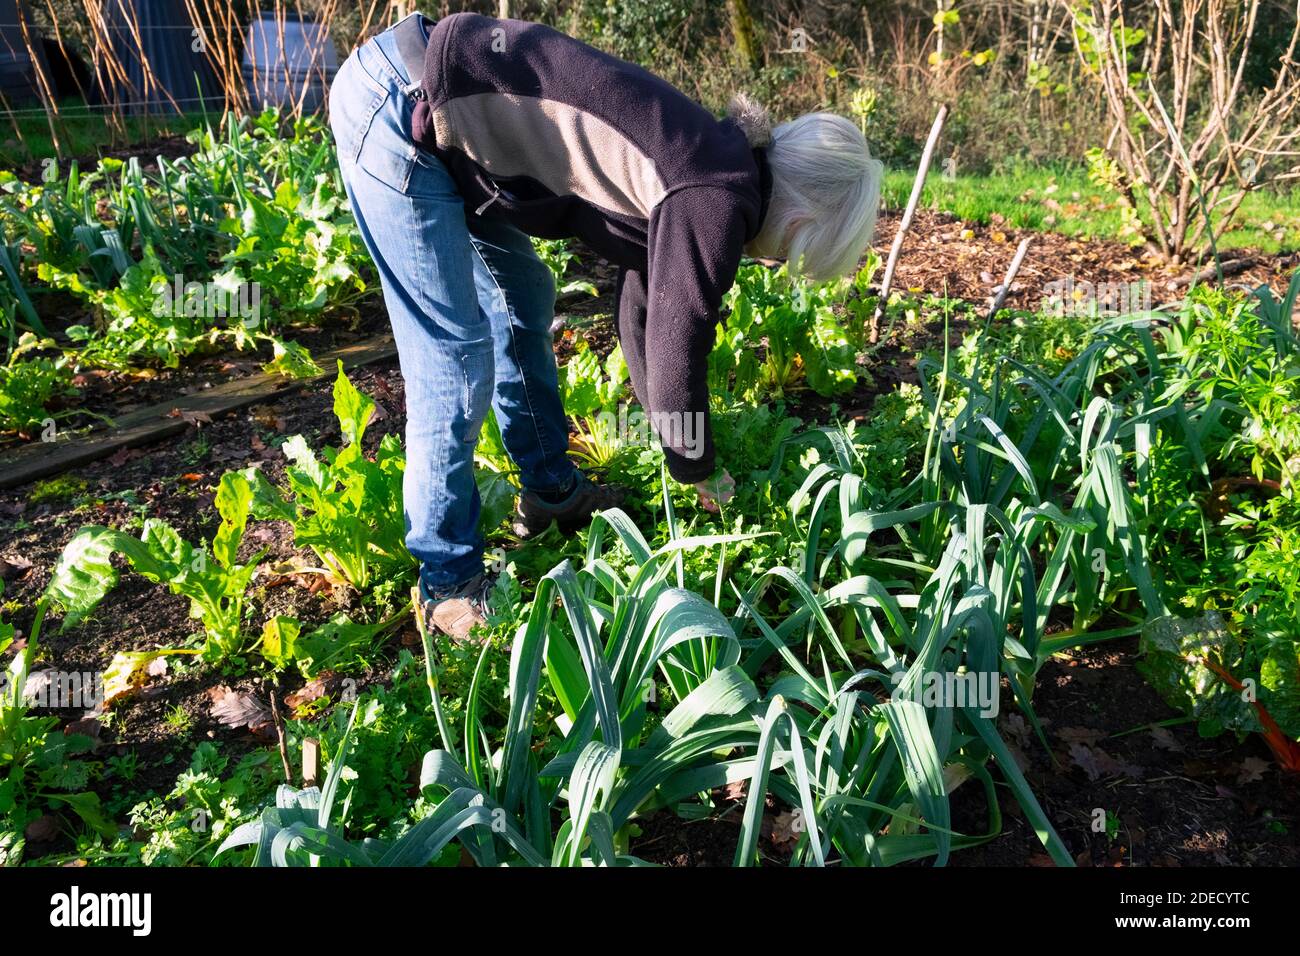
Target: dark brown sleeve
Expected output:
[695,242]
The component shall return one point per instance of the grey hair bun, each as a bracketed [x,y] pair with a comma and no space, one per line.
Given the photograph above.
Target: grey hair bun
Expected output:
[752,118]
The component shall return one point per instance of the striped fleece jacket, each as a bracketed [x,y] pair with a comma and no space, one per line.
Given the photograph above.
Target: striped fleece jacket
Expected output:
[562,140]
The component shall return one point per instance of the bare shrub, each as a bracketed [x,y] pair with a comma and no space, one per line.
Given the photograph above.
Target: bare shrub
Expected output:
[1188,137]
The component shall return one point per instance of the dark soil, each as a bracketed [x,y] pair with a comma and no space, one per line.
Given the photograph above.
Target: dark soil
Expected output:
[1180,799]
[584,317]
[710,841]
[169,146]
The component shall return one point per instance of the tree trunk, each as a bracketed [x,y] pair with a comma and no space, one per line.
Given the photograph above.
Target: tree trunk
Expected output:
[742,29]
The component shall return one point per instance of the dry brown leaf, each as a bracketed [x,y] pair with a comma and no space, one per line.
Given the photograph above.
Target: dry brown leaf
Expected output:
[127,673]
[241,708]
[1081,735]
[268,417]
[192,416]
[323,684]
[1166,740]
[787,827]
[85,726]
[13,566]
[1097,763]
[228,452]
[42,829]
[122,456]
[1252,769]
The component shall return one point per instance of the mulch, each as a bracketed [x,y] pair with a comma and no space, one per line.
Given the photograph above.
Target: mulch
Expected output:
[944,255]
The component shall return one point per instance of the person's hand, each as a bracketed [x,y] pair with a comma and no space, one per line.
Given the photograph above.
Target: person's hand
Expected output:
[716,490]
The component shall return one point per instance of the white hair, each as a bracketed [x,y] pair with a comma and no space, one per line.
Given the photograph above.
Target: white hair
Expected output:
[825,190]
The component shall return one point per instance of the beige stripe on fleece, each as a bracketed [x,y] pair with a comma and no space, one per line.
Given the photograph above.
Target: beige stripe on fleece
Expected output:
[567,150]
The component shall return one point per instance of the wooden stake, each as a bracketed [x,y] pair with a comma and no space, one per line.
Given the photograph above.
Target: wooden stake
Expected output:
[1230,267]
[896,249]
[279,733]
[1002,290]
[310,762]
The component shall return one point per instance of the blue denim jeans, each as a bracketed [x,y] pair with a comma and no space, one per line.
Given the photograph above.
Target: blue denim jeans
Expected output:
[471,307]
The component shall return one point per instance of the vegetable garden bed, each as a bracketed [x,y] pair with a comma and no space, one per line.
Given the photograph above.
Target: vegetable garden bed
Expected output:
[1026,503]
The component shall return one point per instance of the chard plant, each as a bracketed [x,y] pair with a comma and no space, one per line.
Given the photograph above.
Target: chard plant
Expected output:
[346,507]
[251,209]
[30,381]
[592,392]
[780,335]
[214,579]
[339,645]
[559,258]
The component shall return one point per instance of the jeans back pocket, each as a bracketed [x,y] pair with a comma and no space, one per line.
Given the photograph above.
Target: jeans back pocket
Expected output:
[355,99]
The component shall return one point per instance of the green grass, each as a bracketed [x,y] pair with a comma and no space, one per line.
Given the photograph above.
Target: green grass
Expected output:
[1075,207]
[26,137]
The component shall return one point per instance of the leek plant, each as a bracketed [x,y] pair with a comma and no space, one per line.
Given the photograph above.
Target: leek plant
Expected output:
[866,776]
[301,829]
[627,633]
[948,582]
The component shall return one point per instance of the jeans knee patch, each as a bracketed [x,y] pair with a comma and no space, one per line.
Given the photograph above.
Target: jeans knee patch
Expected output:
[478,369]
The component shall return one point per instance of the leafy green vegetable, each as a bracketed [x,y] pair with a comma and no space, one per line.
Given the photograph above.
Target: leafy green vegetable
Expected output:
[214,582]
[346,508]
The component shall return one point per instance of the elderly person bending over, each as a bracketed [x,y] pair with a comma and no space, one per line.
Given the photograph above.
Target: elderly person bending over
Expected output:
[460,139]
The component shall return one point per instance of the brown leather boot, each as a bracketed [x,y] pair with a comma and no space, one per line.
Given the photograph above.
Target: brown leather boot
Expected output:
[458,610]
[534,514]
